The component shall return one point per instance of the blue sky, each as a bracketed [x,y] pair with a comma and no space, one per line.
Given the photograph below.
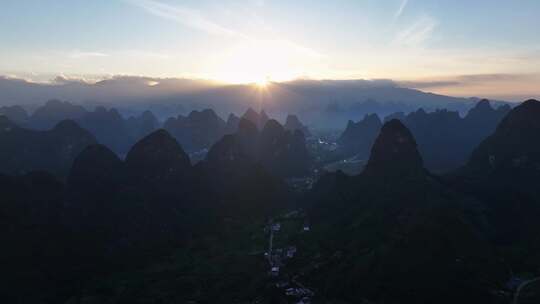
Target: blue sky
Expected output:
[480,45]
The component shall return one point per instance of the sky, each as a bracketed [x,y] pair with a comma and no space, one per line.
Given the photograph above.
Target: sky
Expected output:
[460,47]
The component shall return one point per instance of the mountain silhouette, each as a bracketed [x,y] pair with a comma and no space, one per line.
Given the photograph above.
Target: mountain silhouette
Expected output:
[292,123]
[281,152]
[232,124]
[394,153]
[109,127]
[158,157]
[15,113]
[395,233]
[53,111]
[358,137]
[142,125]
[233,172]
[445,139]
[514,144]
[199,130]
[397,228]
[503,172]
[24,150]
[97,173]
[259,119]
[509,159]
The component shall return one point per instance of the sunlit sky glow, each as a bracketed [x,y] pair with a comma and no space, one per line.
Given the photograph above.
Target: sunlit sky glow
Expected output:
[453,47]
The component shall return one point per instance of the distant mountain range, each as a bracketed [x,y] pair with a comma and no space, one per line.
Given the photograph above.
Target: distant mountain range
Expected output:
[444,138]
[24,150]
[107,125]
[280,151]
[325,103]
[197,131]
[54,149]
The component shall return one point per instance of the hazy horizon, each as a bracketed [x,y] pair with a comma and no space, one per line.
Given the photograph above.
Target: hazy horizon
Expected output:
[482,49]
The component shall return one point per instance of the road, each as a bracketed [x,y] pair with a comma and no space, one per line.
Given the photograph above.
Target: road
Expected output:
[270,244]
[306,293]
[521,286]
[271,241]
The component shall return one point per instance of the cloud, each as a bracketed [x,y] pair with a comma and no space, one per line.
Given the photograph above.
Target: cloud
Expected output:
[417,33]
[468,80]
[259,3]
[65,80]
[401,8]
[342,83]
[480,78]
[186,16]
[428,84]
[145,54]
[83,55]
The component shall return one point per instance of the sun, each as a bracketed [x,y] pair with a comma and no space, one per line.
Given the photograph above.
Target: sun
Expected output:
[258,61]
[262,83]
